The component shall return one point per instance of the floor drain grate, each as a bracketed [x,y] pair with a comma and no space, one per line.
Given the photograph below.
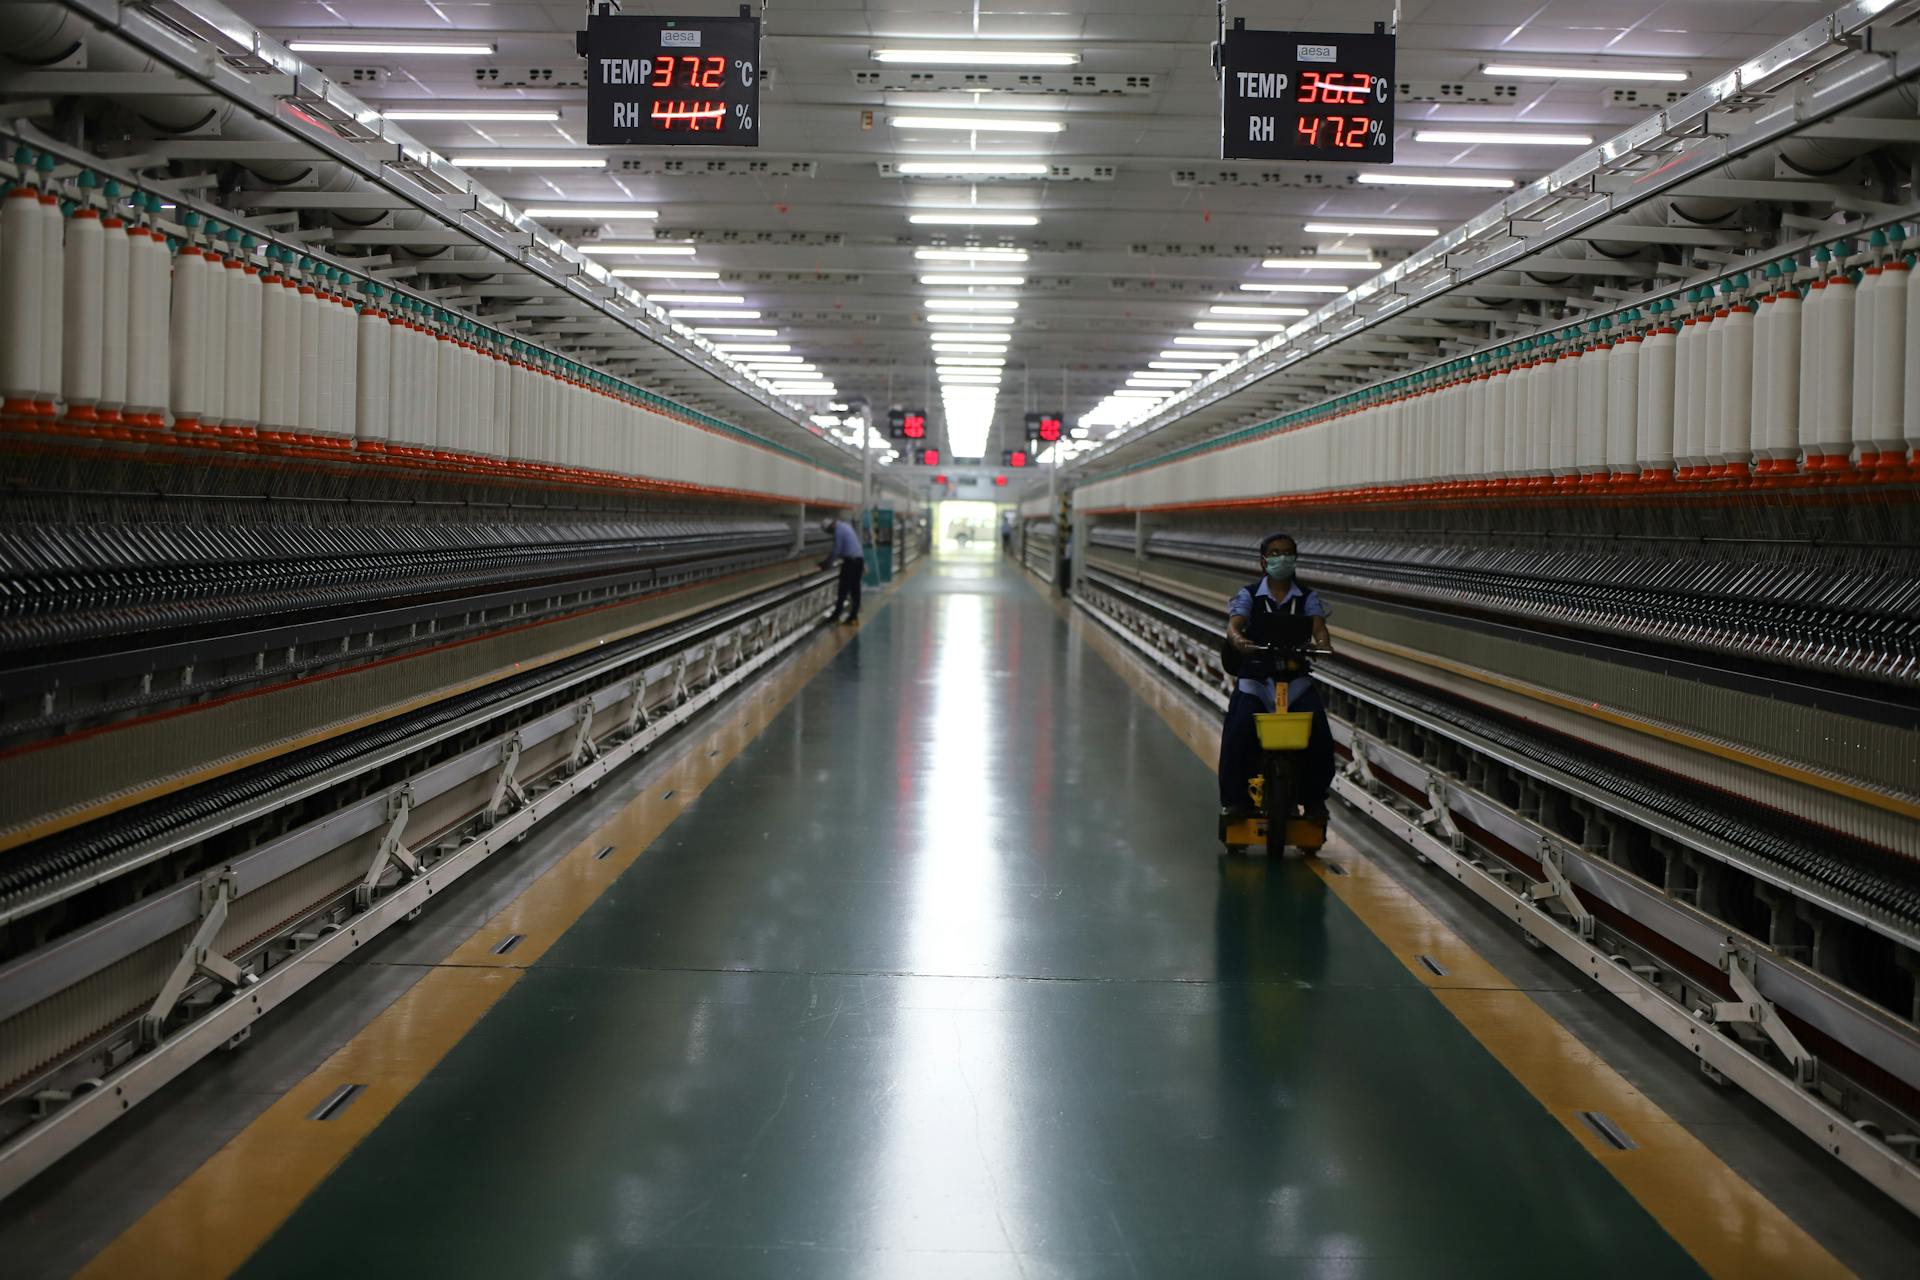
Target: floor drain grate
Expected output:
[603,854]
[508,943]
[1433,966]
[1334,868]
[337,1101]
[1609,1132]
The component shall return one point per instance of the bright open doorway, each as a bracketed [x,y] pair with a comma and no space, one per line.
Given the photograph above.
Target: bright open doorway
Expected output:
[960,527]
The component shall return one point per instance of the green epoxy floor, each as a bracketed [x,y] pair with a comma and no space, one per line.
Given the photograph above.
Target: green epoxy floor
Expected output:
[943,978]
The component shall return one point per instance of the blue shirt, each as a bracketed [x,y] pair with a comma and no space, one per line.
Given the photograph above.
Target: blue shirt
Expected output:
[846,543]
[1241,606]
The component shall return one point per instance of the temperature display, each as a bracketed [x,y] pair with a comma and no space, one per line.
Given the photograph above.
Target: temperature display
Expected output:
[668,81]
[1292,96]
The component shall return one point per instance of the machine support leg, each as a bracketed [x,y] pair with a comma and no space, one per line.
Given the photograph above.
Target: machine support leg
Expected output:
[392,849]
[637,717]
[1557,888]
[584,748]
[1755,1010]
[198,959]
[506,787]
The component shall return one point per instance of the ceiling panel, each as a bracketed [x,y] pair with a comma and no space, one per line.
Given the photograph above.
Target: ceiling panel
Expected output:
[1118,267]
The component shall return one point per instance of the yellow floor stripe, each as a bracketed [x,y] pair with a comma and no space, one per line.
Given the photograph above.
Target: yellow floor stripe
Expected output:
[214,1220]
[1729,1228]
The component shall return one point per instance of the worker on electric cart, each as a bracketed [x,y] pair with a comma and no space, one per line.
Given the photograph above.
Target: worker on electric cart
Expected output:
[852,556]
[1277,592]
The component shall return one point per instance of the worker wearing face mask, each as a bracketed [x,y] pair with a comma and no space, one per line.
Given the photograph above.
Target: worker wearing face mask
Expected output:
[1249,633]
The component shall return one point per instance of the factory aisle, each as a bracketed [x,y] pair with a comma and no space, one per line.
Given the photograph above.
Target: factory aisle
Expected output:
[942,977]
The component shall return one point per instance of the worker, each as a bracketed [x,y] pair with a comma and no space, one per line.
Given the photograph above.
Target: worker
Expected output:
[852,556]
[1278,591]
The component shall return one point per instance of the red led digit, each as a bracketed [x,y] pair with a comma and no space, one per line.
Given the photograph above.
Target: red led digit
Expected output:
[1309,86]
[716,68]
[1309,128]
[662,72]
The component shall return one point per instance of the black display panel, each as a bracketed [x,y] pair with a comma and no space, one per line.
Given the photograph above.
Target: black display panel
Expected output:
[1044,427]
[1297,95]
[666,82]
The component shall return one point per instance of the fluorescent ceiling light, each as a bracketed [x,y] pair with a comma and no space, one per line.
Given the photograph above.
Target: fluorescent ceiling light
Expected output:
[529,162]
[1434,180]
[1329,262]
[561,213]
[773,360]
[709,313]
[967,348]
[1502,138]
[1369,229]
[592,248]
[945,318]
[1157,380]
[971,304]
[974,361]
[960,377]
[439,47]
[976,57]
[1215,356]
[995,282]
[753,348]
[1183,365]
[806,391]
[980,124]
[702,299]
[981,219]
[1532,71]
[485,113]
[1184,341]
[1137,393]
[660,273]
[971,255]
[1223,309]
[1293,288]
[967,169]
[724,332]
[1000,338]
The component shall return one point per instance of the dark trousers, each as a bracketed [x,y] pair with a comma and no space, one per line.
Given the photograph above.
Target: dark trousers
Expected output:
[1240,751]
[852,574]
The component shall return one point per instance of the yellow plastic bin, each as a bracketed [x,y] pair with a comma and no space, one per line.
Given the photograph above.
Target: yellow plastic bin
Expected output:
[1283,730]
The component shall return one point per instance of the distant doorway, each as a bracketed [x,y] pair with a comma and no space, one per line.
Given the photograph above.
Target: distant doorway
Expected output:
[966,528]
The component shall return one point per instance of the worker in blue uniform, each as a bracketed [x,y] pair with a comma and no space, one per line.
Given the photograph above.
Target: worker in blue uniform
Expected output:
[852,556]
[1277,591]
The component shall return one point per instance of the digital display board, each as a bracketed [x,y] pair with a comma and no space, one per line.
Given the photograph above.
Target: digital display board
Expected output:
[1014,458]
[907,424]
[1044,427]
[1293,95]
[654,81]
[928,457]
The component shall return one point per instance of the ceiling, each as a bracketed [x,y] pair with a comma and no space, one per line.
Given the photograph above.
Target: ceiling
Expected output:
[1146,230]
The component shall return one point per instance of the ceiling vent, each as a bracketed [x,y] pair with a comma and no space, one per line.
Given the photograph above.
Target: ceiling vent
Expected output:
[1642,97]
[1145,249]
[715,168]
[564,77]
[700,235]
[365,76]
[898,80]
[1055,173]
[1289,179]
[1484,92]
